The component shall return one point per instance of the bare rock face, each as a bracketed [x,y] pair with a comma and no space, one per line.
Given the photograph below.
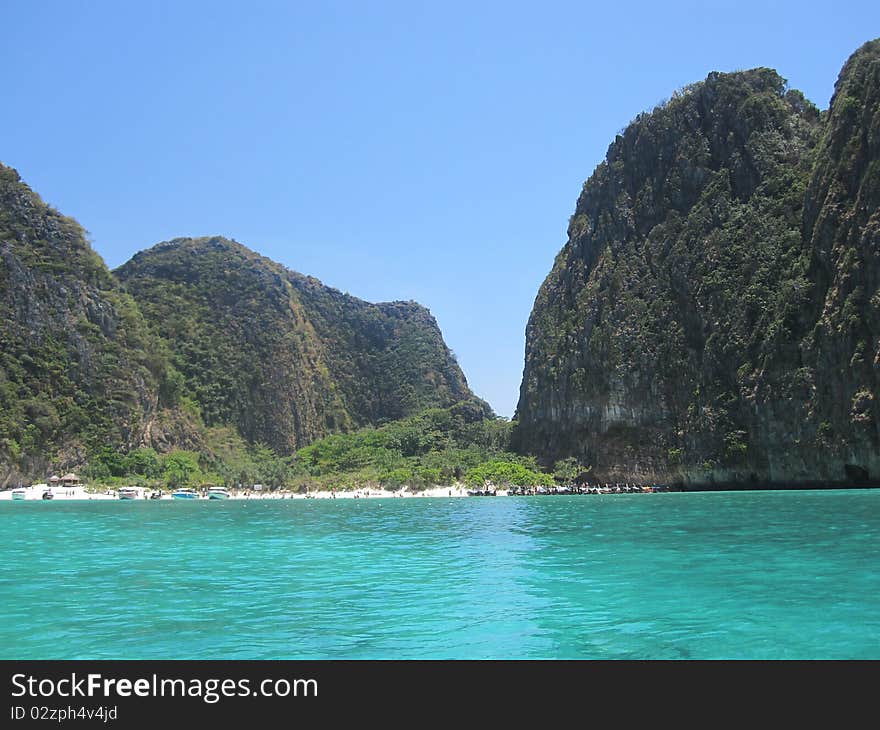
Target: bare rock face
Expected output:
[713,317]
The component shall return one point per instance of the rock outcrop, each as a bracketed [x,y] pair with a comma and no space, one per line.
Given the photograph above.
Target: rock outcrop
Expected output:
[713,318]
[191,334]
[78,367]
[280,356]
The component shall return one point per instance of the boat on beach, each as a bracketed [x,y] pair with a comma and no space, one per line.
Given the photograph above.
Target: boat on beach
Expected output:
[128,493]
[217,493]
[185,493]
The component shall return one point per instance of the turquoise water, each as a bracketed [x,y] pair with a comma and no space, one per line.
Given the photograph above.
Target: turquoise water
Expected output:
[775,575]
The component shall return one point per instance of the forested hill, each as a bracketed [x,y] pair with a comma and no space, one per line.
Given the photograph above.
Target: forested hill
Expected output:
[280,356]
[714,316]
[78,366]
[192,336]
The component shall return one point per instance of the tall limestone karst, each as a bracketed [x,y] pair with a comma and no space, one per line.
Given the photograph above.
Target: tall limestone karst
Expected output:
[78,367]
[190,334]
[713,317]
[280,356]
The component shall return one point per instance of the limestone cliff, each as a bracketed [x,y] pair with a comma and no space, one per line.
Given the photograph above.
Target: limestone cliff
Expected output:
[191,334]
[713,317]
[78,368]
[280,356]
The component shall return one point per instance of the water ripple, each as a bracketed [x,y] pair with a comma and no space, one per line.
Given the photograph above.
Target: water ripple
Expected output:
[721,575]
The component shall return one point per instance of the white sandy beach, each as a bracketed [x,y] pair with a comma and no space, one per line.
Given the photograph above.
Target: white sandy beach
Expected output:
[36,492]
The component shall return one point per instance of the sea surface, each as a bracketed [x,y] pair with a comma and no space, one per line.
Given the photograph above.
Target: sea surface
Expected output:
[720,575]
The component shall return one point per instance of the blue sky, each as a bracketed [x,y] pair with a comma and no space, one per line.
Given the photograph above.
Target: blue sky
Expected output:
[395,150]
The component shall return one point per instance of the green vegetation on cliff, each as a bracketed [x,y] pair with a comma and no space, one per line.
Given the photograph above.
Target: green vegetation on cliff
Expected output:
[198,360]
[713,315]
[78,367]
[281,357]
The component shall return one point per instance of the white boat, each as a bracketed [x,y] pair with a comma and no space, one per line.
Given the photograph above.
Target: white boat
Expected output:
[128,493]
[19,494]
[185,493]
[217,493]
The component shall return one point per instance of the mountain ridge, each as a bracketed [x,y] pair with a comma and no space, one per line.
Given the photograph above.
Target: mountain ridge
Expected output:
[91,362]
[350,351]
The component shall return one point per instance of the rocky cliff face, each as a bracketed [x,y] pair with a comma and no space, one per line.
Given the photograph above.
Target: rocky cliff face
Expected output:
[713,316]
[192,333]
[78,369]
[842,237]
[279,355]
